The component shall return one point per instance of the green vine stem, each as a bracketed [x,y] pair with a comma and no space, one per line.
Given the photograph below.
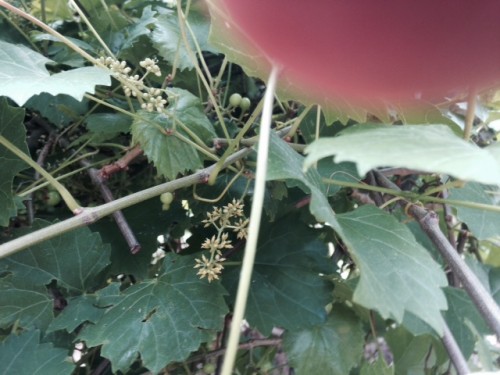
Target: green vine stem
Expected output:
[65,194]
[253,228]
[413,196]
[91,215]
[232,144]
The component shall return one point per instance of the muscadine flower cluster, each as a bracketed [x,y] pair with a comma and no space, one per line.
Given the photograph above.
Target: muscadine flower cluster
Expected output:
[133,85]
[228,218]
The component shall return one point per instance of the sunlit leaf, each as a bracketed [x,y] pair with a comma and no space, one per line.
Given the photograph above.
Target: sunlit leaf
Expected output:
[431,148]
[23,74]
[285,164]
[396,273]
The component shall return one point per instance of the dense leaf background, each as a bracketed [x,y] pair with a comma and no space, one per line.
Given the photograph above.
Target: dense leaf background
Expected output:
[345,280]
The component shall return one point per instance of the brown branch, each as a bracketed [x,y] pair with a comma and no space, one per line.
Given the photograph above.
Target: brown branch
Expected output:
[429,222]
[456,356]
[121,164]
[107,195]
[40,161]
[377,197]
[133,245]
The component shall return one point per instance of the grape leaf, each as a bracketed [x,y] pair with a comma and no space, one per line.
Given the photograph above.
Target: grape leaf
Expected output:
[482,223]
[53,10]
[285,164]
[163,319]
[29,307]
[414,354]
[461,310]
[60,110]
[167,38]
[169,154]
[495,284]
[379,367]
[12,128]
[185,108]
[139,28]
[287,289]
[80,309]
[108,123]
[23,74]
[333,348]
[25,354]
[396,273]
[73,259]
[430,148]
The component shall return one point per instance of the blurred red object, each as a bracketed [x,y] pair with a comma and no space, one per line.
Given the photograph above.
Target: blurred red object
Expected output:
[365,50]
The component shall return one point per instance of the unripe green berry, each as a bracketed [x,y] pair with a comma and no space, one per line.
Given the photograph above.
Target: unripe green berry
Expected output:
[53,198]
[235,100]
[209,368]
[166,198]
[245,104]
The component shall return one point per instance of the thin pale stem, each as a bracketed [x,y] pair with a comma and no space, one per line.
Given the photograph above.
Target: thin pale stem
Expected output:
[454,352]
[208,88]
[470,114]
[232,144]
[73,4]
[253,228]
